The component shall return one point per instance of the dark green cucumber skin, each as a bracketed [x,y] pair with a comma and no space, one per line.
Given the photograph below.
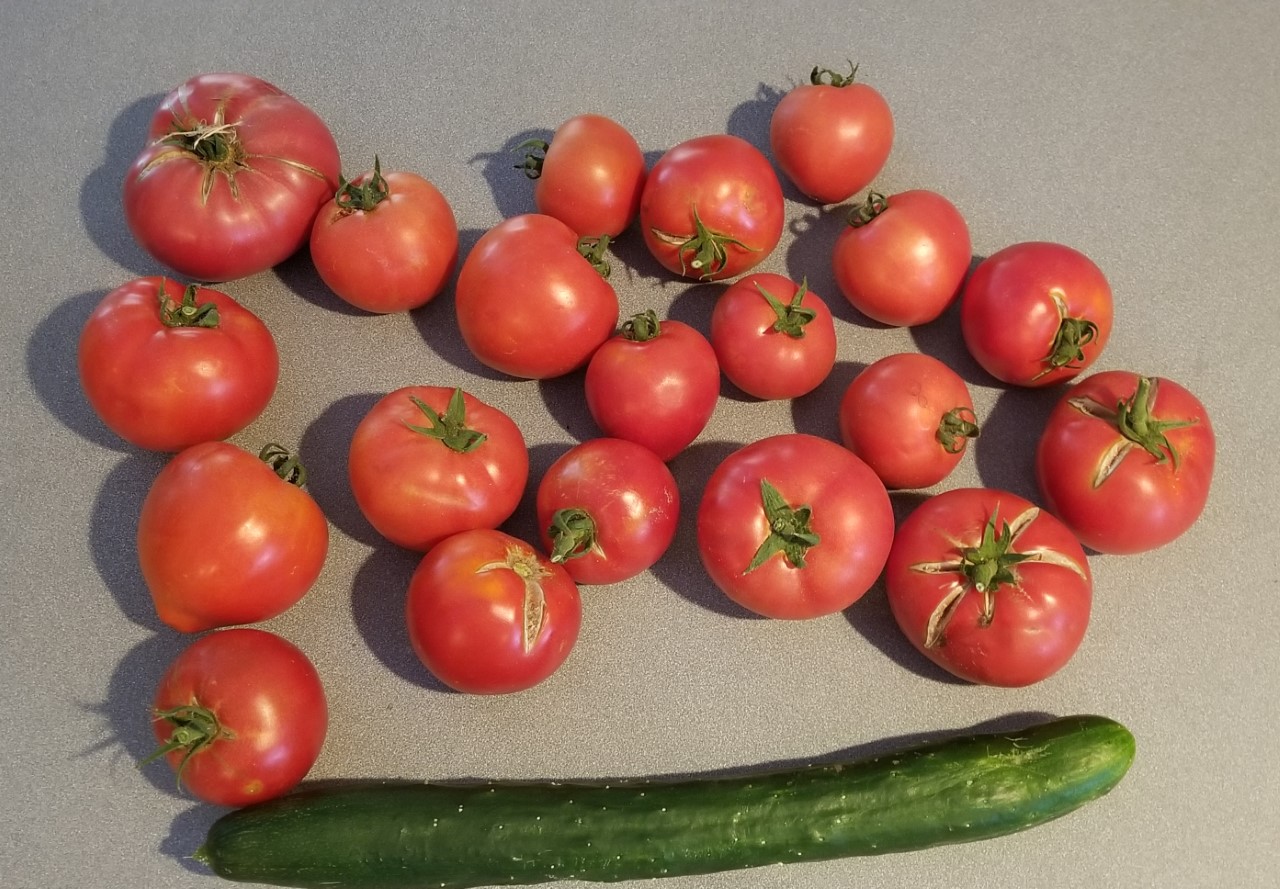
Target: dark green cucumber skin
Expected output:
[455,836]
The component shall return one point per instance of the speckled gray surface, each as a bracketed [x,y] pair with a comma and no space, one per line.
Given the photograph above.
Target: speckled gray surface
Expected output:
[1144,134]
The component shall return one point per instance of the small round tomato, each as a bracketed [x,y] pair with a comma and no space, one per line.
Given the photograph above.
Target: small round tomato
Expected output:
[488,615]
[166,367]
[902,259]
[386,242]
[589,176]
[607,510]
[989,586]
[241,716]
[656,383]
[910,417]
[711,208]
[226,537]
[427,461]
[1126,461]
[1036,313]
[772,337]
[532,298]
[794,526]
[831,136]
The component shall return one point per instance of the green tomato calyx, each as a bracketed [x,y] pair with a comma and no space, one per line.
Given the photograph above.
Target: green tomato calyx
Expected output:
[352,198]
[708,248]
[792,316]
[285,463]
[449,428]
[790,530]
[592,248]
[187,313]
[956,427]
[573,534]
[827,77]
[863,213]
[642,327]
[194,729]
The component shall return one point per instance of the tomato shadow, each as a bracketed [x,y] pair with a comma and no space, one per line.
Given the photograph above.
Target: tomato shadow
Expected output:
[942,338]
[523,522]
[813,239]
[112,539]
[324,449]
[565,400]
[1004,451]
[818,412]
[298,274]
[512,190]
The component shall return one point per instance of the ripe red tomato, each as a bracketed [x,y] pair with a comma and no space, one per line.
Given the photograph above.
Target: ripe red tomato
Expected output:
[589,176]
[711,208]
[1036,313]
[166,367]
[910,417]
[231,177]
[656,383]
[773,338]
[989,586]
[1126,461]
[488,615]
[902,259]
[831,136]
[386,242]
[226,537]
[429,461]
[241,716]
[794,526]
[607,510]
[530,302]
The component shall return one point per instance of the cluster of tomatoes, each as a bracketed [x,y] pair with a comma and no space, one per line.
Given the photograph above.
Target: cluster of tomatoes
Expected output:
[987,584]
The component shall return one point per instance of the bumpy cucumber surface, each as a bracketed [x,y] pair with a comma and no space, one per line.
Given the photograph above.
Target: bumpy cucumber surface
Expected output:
[455,836]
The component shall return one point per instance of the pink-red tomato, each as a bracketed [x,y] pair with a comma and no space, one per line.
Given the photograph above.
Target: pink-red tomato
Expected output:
[794,526]
[241,716]
[489,615]
[772,337]
[166,367]
[231,177]
[989,586]
[831,136]
[1036,313]
[529,301]
[387,242]
[428,461]
[1126,461]
[902,259]
[910,417]
[711,208]
[607,510]
[228,537]
[589,176]
[656,383]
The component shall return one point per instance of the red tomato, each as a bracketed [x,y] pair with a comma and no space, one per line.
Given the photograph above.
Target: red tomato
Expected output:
[1036,313]
[429,461]
[241,716]
[488,615]
[794,526]
[711,208]
[226,537]
[831,137]
[1126,461]
[989,586]
[902,259]
[656,383]
[589,176]
[773,339]
[386,242]
[910,417]
[166,367]
[231,177]
[529,300]
[607,510]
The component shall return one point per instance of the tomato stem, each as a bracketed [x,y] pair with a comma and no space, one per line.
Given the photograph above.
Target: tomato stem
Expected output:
[592,249]
[642,327]
[792,316]
[956,428]
[216,144]
[790,532]
[449,428]
[709,248]
[989,564]
[194,728]
[187,313]
[873,206]
[364,197]
[573,534]
[535,154]
[1136,423]
[826,77]
[285,463]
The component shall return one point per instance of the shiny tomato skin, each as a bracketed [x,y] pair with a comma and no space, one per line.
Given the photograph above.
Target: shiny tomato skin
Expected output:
[630,497]
[489,615]
[414,489]
[592,176]
[906,265]
[1013,305]
[216,220]
[757,357]
[1145,502]
[396,256]
[528,304]
[166,388]
[269,702]
[223,540]
[1039,617]
[731,188]
[851,514]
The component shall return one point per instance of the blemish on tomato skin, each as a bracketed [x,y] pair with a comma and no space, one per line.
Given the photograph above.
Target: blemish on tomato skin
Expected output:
[254,787]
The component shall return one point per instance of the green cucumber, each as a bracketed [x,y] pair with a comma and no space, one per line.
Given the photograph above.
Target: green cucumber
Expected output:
[383,835]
